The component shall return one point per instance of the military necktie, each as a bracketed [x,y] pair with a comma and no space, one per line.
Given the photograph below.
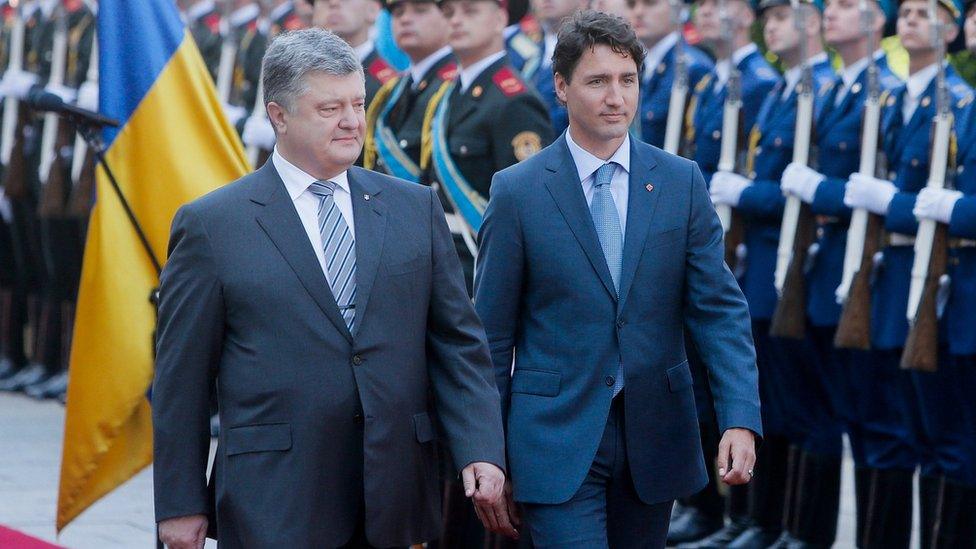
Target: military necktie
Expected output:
[340,251]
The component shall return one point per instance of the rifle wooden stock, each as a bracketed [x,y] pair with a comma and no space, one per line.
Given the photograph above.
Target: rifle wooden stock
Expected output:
[789,318]
[15,173]
[80,202]
[57,188]
[854,326]
[921,350]
[733,239]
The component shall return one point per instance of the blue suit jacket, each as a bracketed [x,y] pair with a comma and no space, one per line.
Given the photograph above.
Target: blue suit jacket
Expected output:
[544,292]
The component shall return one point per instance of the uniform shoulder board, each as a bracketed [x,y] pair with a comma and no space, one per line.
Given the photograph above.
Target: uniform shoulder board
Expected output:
[508,82]
[531,29]
[72,6]
[381,70]
[703,83]
[766,72]
[292,22]
[8,12]
[524,46]
[212,21]
[253,25]
[967,99]
[448,71]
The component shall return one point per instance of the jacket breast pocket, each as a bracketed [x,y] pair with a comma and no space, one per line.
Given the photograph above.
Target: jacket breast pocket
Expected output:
[679,377]
[404,267]
[268,437]
[665,238]
[536,382]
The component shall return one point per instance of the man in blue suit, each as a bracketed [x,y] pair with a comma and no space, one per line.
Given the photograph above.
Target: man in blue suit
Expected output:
[596,256]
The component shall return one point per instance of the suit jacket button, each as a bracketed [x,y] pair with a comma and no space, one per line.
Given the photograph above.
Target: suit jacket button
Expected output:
[621,323]
[609,381]
[357,419]
[357,360]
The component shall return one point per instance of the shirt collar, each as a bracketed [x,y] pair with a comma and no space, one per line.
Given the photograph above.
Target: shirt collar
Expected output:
[419,70]
[243,15]
[197,10]
[917,82]
[297,181]
[740,54]
[587,163]
[363,50]
[793,74]
[657,53]
[724,67]
[470,74]
[852,72]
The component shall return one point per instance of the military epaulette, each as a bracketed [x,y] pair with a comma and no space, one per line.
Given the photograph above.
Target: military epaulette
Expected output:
[524,46]
[531,29]
[886,99]
[964,101]
[763,71]
[8,12]
[826,87]
[292,22]
[448,71]
[253,25]
[72,6]
[381,70]
[506,81]
[212,21]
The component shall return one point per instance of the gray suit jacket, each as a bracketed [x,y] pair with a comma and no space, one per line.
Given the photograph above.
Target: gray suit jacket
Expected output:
[317,423]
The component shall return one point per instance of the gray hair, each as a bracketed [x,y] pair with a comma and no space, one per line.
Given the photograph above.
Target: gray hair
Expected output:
[293,55]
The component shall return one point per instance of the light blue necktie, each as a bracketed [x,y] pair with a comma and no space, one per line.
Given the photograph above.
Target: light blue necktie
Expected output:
[340,251]
[607,222]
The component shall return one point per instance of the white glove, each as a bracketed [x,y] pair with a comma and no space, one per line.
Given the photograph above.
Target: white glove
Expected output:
[936,204]
[801,181]
[869,193]
[66,94]
[18,83]
[234,113]
[259,133]
[88,96]
[727,187]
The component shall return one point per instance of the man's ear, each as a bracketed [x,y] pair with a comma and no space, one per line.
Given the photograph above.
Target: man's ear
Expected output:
[560,84]
[276,115]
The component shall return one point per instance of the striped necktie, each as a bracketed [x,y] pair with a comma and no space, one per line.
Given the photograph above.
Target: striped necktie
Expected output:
[340,251]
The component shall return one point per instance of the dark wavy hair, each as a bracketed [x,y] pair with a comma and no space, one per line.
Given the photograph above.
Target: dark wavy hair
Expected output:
[588,28]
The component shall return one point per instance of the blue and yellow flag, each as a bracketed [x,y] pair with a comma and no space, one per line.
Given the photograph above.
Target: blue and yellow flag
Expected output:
[173,145]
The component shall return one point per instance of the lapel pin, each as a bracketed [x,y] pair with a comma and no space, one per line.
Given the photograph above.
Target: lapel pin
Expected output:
[649,187]
[366,197]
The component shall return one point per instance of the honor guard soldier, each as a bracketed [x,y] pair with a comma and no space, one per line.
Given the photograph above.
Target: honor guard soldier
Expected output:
[236,79]
[353,21]
[524,52]
[394,120]
[203,19]
[550,15]
[658,27]
[792,33]
[483,121]
[914,416]
[725,27]
[833,382]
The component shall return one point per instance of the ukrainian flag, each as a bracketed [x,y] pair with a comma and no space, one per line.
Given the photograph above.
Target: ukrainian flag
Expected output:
[173,145]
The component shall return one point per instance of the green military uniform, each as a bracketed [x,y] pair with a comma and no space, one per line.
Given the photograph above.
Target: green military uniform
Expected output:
[396,116]
[204,27]
[378,72]
[251,42]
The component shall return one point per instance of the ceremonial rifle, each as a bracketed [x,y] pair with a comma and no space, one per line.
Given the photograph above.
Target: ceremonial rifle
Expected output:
[679,88]
[53,134]
[731,224]
[228,55]
[798,228]
[83,159]
[14,181]
[864,231]
[931,252]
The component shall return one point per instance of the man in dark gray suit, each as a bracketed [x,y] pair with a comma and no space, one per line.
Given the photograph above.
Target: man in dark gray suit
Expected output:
[327,304]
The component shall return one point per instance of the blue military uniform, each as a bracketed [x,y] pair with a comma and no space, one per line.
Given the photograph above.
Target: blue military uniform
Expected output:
[656,86]
[910,418]
[524,53]
[544,82]
[704,131]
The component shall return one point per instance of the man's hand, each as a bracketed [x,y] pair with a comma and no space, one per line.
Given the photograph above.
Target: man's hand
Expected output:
[188,532]
[485,484]
[736,456]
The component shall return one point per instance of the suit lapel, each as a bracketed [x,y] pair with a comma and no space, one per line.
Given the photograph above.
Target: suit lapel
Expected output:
[641,205]
[281,223]
[369,217]
[567,191]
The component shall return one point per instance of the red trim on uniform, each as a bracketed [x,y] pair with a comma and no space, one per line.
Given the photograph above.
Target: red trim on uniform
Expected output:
[448,71]
[381,70]
[253,25]
[506,81]
[73,5]
[293,22]
[212,22]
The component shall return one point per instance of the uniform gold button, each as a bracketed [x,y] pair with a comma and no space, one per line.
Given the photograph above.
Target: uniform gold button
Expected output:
[778,141]
[856,87]
[716,135]
[914,162]
[464,149]
[926,101]
[842,145]
[403,143]
[650,115]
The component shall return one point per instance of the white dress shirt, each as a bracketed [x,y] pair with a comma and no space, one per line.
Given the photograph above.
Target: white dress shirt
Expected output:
[419,70]
[850,73]
[297,183]
[724,67]
[469,74]
[793,74]
[587,164]
[655,56]
[915,87]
